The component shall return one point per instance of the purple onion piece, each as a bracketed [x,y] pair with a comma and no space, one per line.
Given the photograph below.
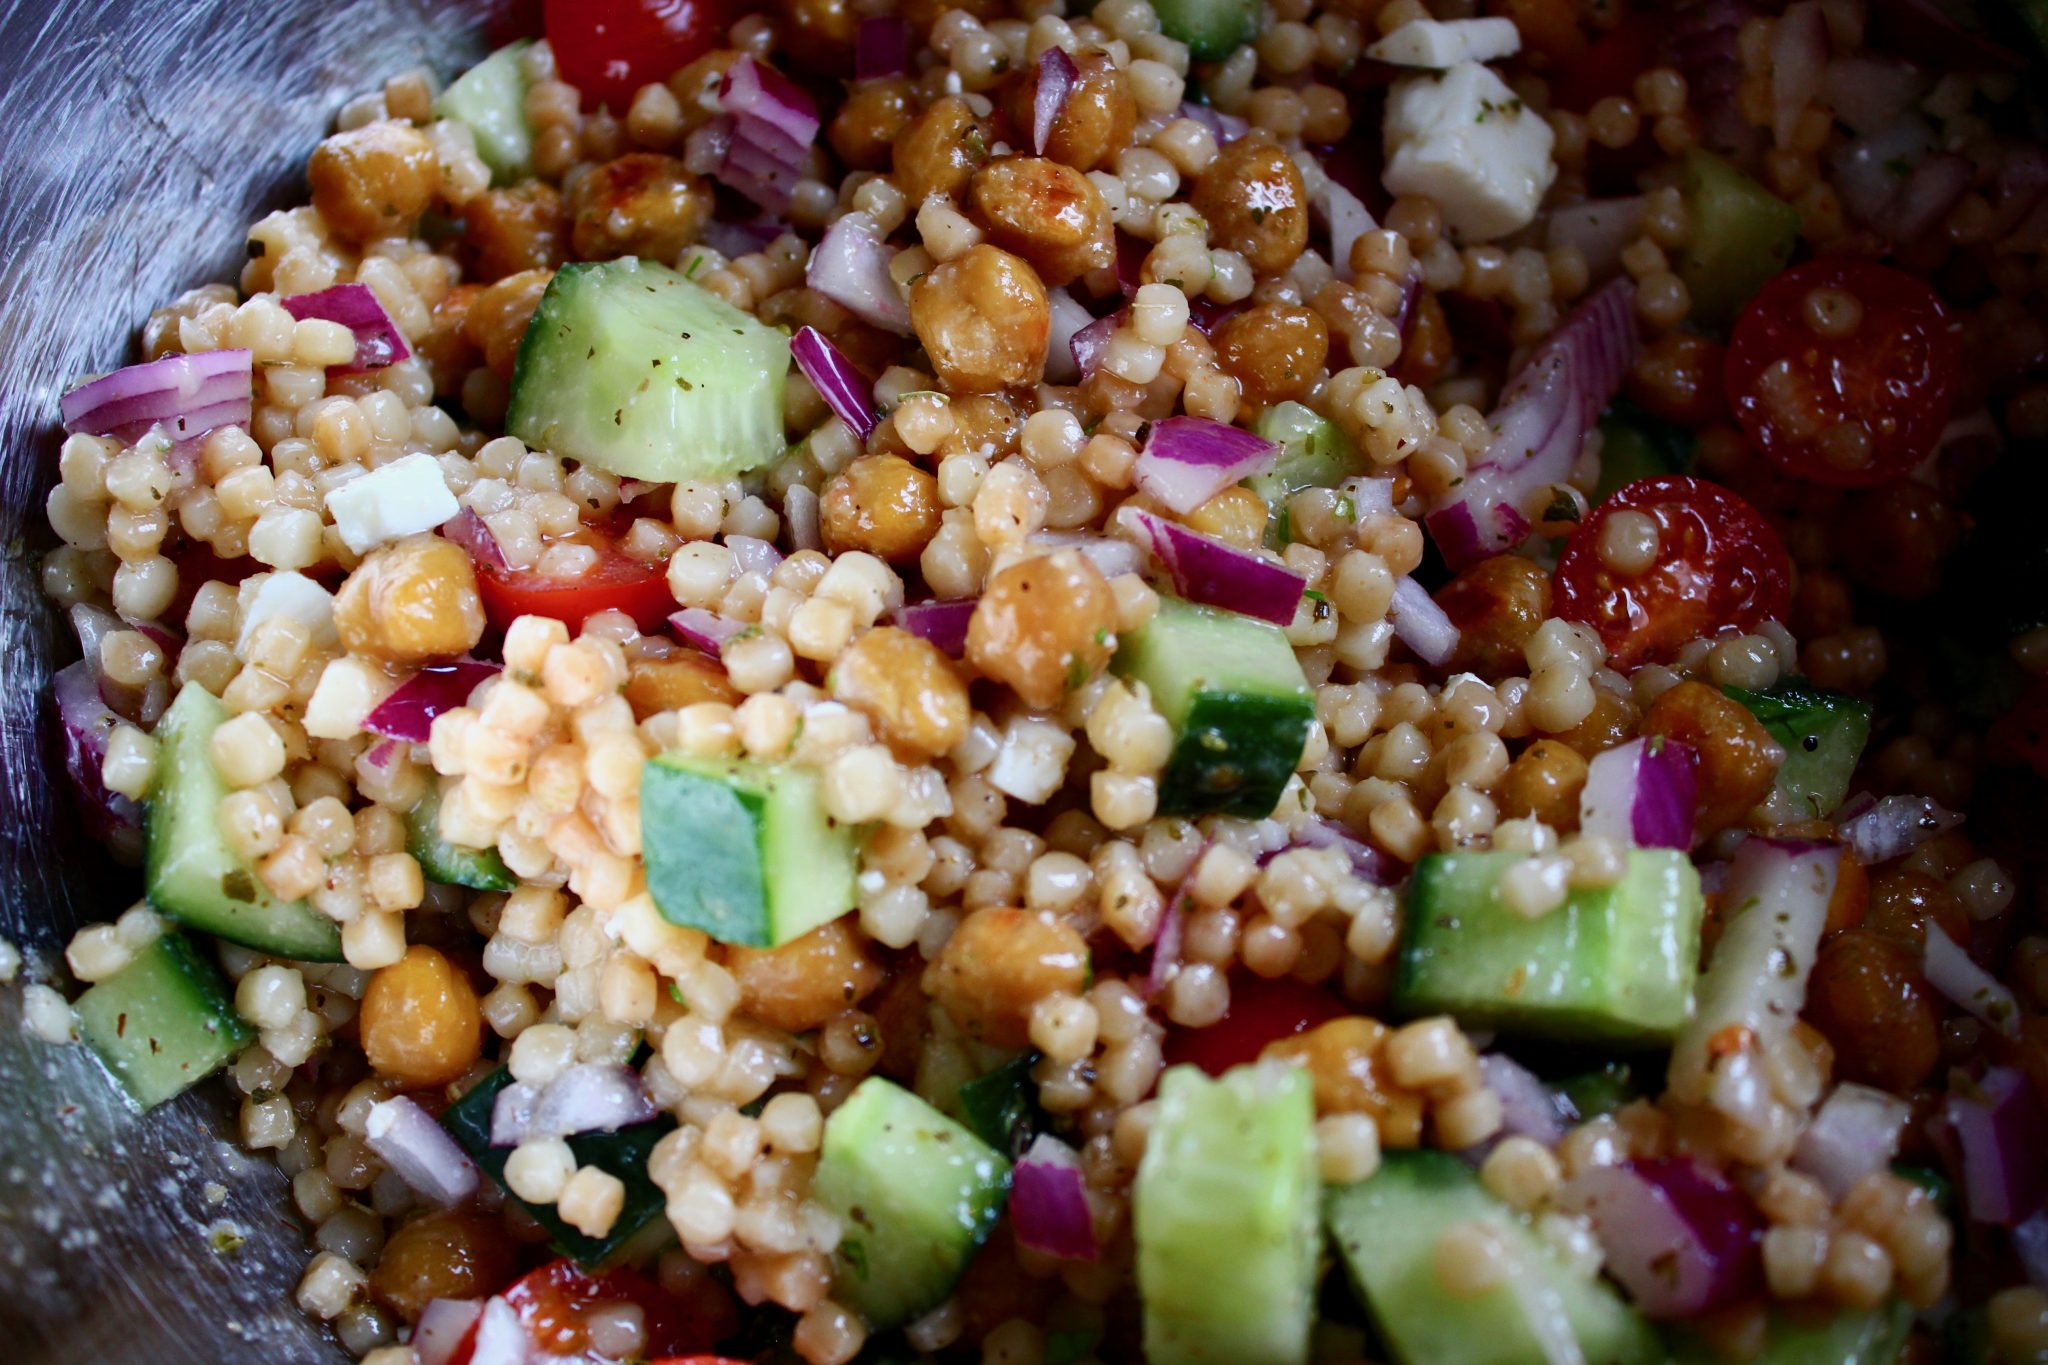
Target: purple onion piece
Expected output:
[1189,460]
[1968,986]
[408,713]
[1895,825]
[187,395]
[512,1114]
[1856,1131]
[881,48]
[1642,794]
[943,624]
[843,387]
[468,530]
[1049,1202]
[1421,624]
[88,723]
[1057,77]
[2000,1130]
[1088,343]
[1166,944]
[1528,1107]
[706,630]
[751,554]
[420,1151]
[851,268]
[1681,1240]
[1213,573]
[590,1097]
[355,306]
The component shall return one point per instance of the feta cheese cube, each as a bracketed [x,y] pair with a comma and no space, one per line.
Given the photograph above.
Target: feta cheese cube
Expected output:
[1464,140]
[287,594]
[347,692]
[1032,761]
[404,497]
[1442,43]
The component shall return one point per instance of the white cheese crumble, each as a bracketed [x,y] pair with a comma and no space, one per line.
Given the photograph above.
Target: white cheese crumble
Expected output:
[402,498]
[1464,140]
[1442,43]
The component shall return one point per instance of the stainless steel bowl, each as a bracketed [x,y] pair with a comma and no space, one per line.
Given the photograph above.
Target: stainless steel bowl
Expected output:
[136,143]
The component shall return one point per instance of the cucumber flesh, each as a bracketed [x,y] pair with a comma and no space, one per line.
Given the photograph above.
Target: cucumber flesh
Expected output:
[490,98]
[1314,453]
[1822,734]
[916,1194]
[630,367]
[1869,1337]
[1385,1230]
[1224,1217]
[480,869]
[192,875]
[1612,964]
[1212,29]
[164,1022]
[1635,445]
[1742,235]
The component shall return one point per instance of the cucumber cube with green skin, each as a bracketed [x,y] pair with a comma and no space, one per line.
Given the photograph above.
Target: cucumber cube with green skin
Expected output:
[1635,445]
[1212,29]
[1314,453]
[191,874]
[1240,708]
[1742,234]
[1224,1214]
[1873,1336]
[480,869]
[164,1022]
[1822,734]
[1613,964]
[490,99]
[915,1194]
[1385,1231]
[742,851]
[630,367]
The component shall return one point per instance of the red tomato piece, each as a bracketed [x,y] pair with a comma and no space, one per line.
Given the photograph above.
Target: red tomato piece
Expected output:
[617,582]
[1261,1011]
[553,1304]
[608,49]
[1718,564]
[1843,371]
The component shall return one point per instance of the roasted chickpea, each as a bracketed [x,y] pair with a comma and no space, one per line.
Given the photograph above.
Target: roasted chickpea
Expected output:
[818,35]
[1255,204]
[910,690]
[1426,350]
[940,150]
[984,319]
[420,1023]
[1051,215]
[883,504]
[497,318]
[869,124]
[987,423]
[670,684]
[1497,604]
[806,981]
[1738,758]
[374,181]
[446,1254]
[1867,997]
[411,602]
[1001,962]
[1275,350]
[1544,784]
[510,230]
[446,346]
[1343,1058]
[1903,902]
[1678,378]
[642,204]
[1097,119]
[1612,721]
[1044,627]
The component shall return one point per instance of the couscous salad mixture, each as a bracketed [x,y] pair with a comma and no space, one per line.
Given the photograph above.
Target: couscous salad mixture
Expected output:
[1198,681]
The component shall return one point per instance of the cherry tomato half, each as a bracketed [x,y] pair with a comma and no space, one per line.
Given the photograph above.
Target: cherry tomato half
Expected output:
[617,582]
[554,1303]
[1843,371]
[1261,1012]
[1718,564]
[608,49]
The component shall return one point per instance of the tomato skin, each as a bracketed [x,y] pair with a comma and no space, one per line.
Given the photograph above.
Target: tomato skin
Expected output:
[1261,1011]
[552,1300]
[1895,373]
[1719,564]
[617,583]
[608,49]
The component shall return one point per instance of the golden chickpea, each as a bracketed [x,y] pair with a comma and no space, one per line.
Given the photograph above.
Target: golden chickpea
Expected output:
[818,35]
[446,346]
[1544,784]
[411,602]
[1343,1058]
[642,204]
[446,1254]
[1497,604]
[497,318]
[1236,515]
[909,688]
[987,423]
[1044,627]
[1051,215]
[510,230]
[1255,204]
[419,1023]
[684,679]
[1738,759]
[1426,350]
[1612,721]
[998,964]
[984,320]
[374,181]
[940,149]
[806,981]
[868,125]
[1275,350]
[1096,121]
[883,504]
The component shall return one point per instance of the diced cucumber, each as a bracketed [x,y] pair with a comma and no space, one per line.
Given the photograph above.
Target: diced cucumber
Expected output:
[1001,1106]
[630,367]
[1224,1216]
[1314,453]
[480,869]
[743,851]
[163,1022]
[1240,708]
[1386,1230]
[1613,964]
[1822,733]
[490,98]
[1853,1337]
[1593,1093]
[192,874]
[641,1222]
[1212,29]
[1634,445]
[1742,234]
[915,1194]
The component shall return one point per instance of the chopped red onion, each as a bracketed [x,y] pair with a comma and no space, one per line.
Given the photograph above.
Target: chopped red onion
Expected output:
[2000,1130]
[93,625]
[1681,1240]
[590,1097]
[843,387]
[187,395]
[1421,624]
[1166,944]
[1923,31]
[1049,1201]
[1854,1133]
[753,90]
[706,630]
[1704,43]
[1540,423]
[512,1113]
[160,635]
[733,240]
[800,518]
[1109,555]
[704,152]
[1930,191]
[1528,1107]
[943,624]
[1598,229]
[881,48]
[1348,219]
[419,1151]
[355,306]
[383,754]
[1968,986]
[443,1325]
[1057,77]
[1368,863]
[112,820]
[753,555]
[851,268]
[1799,54]
[1088,343]
[2030,1244]
[1642,794]
[1189,460]
[1068,318]
[762,164]
[408,713]
[1228,128]
[1869,93]
[1216,574]
[1870,171]
[1895,825]
[468,530]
